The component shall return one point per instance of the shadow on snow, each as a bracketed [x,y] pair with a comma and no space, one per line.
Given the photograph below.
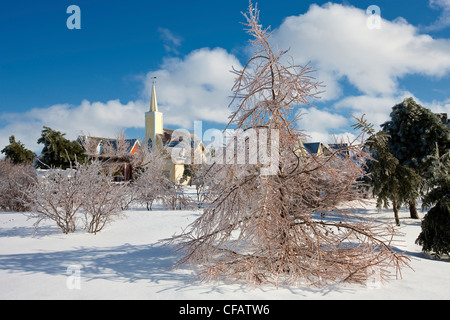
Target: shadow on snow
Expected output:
[125,263]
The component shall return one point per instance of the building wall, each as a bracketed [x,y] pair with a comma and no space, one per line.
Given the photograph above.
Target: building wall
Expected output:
[153,125]
[174,171]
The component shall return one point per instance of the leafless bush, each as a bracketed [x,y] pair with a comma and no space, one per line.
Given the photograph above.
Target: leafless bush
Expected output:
[62,195]
[13,179]
[290,225]
[101,197]
[151,184]
[130,196]
[57,196]
[202,178]
[175,198]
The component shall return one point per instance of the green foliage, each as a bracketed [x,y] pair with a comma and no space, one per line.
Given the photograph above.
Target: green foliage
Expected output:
[17,153]
[58,151]
[437,179]
[435,235]
[411,155]
[414,133]
[391,181]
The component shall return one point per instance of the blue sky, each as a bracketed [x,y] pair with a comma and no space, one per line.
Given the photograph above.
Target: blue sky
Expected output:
[97,80]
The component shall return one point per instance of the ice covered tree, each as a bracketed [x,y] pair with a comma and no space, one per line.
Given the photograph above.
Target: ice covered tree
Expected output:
[390,181]
[414,132]
[58,151]
[56,197]
[437,178]
[17,152]
[83,190]
[435,234]
[102,199]
[14,178]
[285,217]
[152,185]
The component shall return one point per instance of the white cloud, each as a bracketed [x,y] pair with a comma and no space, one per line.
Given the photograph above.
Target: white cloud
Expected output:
[440,106]
[171,41]
[378,109]
[325,126]
[340,45]
[93,118]
[196,87]
[320,125]
[444,19]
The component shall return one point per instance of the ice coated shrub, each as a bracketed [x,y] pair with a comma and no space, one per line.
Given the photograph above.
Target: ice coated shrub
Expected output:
[56,196]
[62,195]
[435,235]
[152,185]
[14,178]
[102,198]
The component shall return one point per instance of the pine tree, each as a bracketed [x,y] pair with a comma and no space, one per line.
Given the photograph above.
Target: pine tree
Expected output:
[435,234]
[414,133]
[390,181]
[58,151]
[17,152]
[437,179]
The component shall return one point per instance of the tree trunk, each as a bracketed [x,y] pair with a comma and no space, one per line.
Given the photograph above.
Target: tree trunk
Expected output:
[413,210]
[395,207]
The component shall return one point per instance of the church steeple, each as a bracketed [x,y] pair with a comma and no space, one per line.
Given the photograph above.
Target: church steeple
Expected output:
[153,102]
[153,122]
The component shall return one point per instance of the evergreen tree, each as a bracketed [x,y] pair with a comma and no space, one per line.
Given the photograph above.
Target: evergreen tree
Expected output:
[414,134]
[17,152]
[391,181]
[437,179]
[58,151]
[435,235]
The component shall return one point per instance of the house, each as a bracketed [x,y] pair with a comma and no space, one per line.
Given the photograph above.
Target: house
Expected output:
[116,153]
[315,148]
[104,146]
[339,148]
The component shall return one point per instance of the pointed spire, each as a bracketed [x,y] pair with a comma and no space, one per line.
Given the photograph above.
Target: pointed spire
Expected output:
[153,102]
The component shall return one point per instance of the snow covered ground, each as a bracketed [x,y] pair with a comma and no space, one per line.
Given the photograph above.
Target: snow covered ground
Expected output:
[124,261]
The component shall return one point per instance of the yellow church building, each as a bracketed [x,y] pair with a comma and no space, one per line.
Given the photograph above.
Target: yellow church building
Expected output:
[157,138]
